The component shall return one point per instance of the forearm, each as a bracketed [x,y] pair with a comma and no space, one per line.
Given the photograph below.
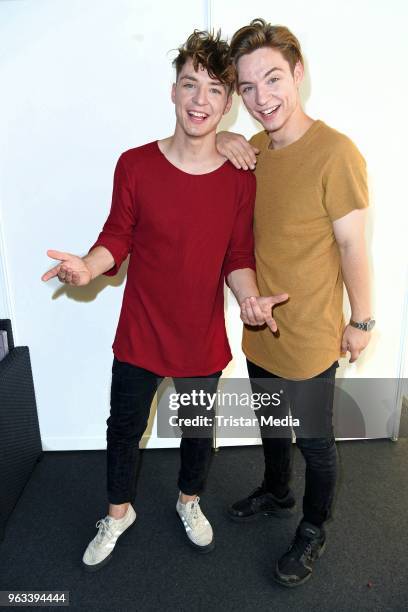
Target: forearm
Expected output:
[243,284]
[98,261]
[356,276]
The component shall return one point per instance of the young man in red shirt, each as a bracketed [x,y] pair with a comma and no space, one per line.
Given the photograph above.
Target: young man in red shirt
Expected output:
[184,214]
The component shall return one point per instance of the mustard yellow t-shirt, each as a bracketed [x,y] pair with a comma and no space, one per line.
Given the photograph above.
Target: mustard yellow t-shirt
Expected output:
[301,189]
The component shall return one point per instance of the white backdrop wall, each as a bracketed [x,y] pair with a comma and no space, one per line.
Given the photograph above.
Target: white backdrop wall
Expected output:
[82,82]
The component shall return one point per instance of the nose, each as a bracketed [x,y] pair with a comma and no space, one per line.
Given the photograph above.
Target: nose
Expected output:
[200,95]
[261,95]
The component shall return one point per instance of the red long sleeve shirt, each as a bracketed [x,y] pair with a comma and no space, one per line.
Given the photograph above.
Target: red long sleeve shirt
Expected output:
[185,233]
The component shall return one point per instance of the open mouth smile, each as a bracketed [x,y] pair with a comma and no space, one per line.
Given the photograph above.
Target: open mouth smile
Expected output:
[270,112]
[197,117]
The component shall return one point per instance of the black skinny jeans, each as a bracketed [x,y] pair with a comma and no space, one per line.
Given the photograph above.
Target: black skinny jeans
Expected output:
[320,453]
[132,392]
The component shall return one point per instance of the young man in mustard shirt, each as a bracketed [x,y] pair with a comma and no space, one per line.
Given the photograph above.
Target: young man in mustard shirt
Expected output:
[309,239]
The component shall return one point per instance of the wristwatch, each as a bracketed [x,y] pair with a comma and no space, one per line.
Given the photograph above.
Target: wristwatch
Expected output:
[366,325]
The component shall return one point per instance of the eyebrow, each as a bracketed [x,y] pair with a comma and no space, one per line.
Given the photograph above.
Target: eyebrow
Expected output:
[274,69]
[193,78]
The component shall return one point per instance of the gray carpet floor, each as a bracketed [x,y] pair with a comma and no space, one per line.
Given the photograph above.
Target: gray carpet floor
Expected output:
[365,566]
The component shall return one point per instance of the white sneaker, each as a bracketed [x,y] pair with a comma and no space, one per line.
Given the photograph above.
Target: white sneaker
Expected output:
[198,529]
[99,550]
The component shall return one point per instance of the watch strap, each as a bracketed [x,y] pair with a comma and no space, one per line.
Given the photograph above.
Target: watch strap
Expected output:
[366,325]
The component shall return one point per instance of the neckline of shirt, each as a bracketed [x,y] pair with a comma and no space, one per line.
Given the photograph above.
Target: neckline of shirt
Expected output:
[223,165]
[297,144]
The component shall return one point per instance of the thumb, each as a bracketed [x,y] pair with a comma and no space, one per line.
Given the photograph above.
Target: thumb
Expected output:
[344,344]
[277,299]
[255,150]
[58,255]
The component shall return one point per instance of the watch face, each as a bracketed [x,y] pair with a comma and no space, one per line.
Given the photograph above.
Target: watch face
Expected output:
[370,325]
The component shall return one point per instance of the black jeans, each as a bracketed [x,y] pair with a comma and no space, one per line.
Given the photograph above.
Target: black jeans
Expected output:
[320,453]
[132,392]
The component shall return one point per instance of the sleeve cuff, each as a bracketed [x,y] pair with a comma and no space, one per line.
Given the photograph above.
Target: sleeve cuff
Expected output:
[239,263]
[115,249]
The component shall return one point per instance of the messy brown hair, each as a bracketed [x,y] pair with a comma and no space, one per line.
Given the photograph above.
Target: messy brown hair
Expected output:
[260,34]
[210,52]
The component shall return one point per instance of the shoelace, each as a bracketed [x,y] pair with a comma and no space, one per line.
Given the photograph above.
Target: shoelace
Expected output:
[104,528]
[302,546]
[195,509]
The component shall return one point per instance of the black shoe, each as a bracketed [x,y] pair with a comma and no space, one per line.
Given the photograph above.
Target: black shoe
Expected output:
[295,566]
[259,503]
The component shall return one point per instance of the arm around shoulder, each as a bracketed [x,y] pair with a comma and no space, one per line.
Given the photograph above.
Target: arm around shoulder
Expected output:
[237,149]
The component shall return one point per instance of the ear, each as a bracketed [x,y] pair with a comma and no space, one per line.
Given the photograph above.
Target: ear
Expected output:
[173,93]
[298,73]
[228,105]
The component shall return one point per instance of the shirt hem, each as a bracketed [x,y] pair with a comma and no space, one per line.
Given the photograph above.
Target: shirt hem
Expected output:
[291,377]
[164,372]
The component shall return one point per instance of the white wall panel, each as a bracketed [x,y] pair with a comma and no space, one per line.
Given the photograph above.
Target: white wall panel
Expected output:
[80,83]
[83,81]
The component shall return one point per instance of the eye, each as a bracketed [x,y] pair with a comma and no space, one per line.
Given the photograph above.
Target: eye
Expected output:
[188,85]
[273,80]
[246,89]
[214,90]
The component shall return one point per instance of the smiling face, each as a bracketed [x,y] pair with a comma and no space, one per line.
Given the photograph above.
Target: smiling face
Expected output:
[200,100]
[268,88]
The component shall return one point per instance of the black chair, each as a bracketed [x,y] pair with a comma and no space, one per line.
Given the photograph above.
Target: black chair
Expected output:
[20,441]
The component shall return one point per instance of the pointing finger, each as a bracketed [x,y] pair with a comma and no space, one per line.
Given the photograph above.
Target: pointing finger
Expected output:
[50,274]
[271,323]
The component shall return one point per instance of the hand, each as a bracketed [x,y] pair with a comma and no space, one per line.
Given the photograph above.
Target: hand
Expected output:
[354,340]
[237,149]
[258,310]
[72,270]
